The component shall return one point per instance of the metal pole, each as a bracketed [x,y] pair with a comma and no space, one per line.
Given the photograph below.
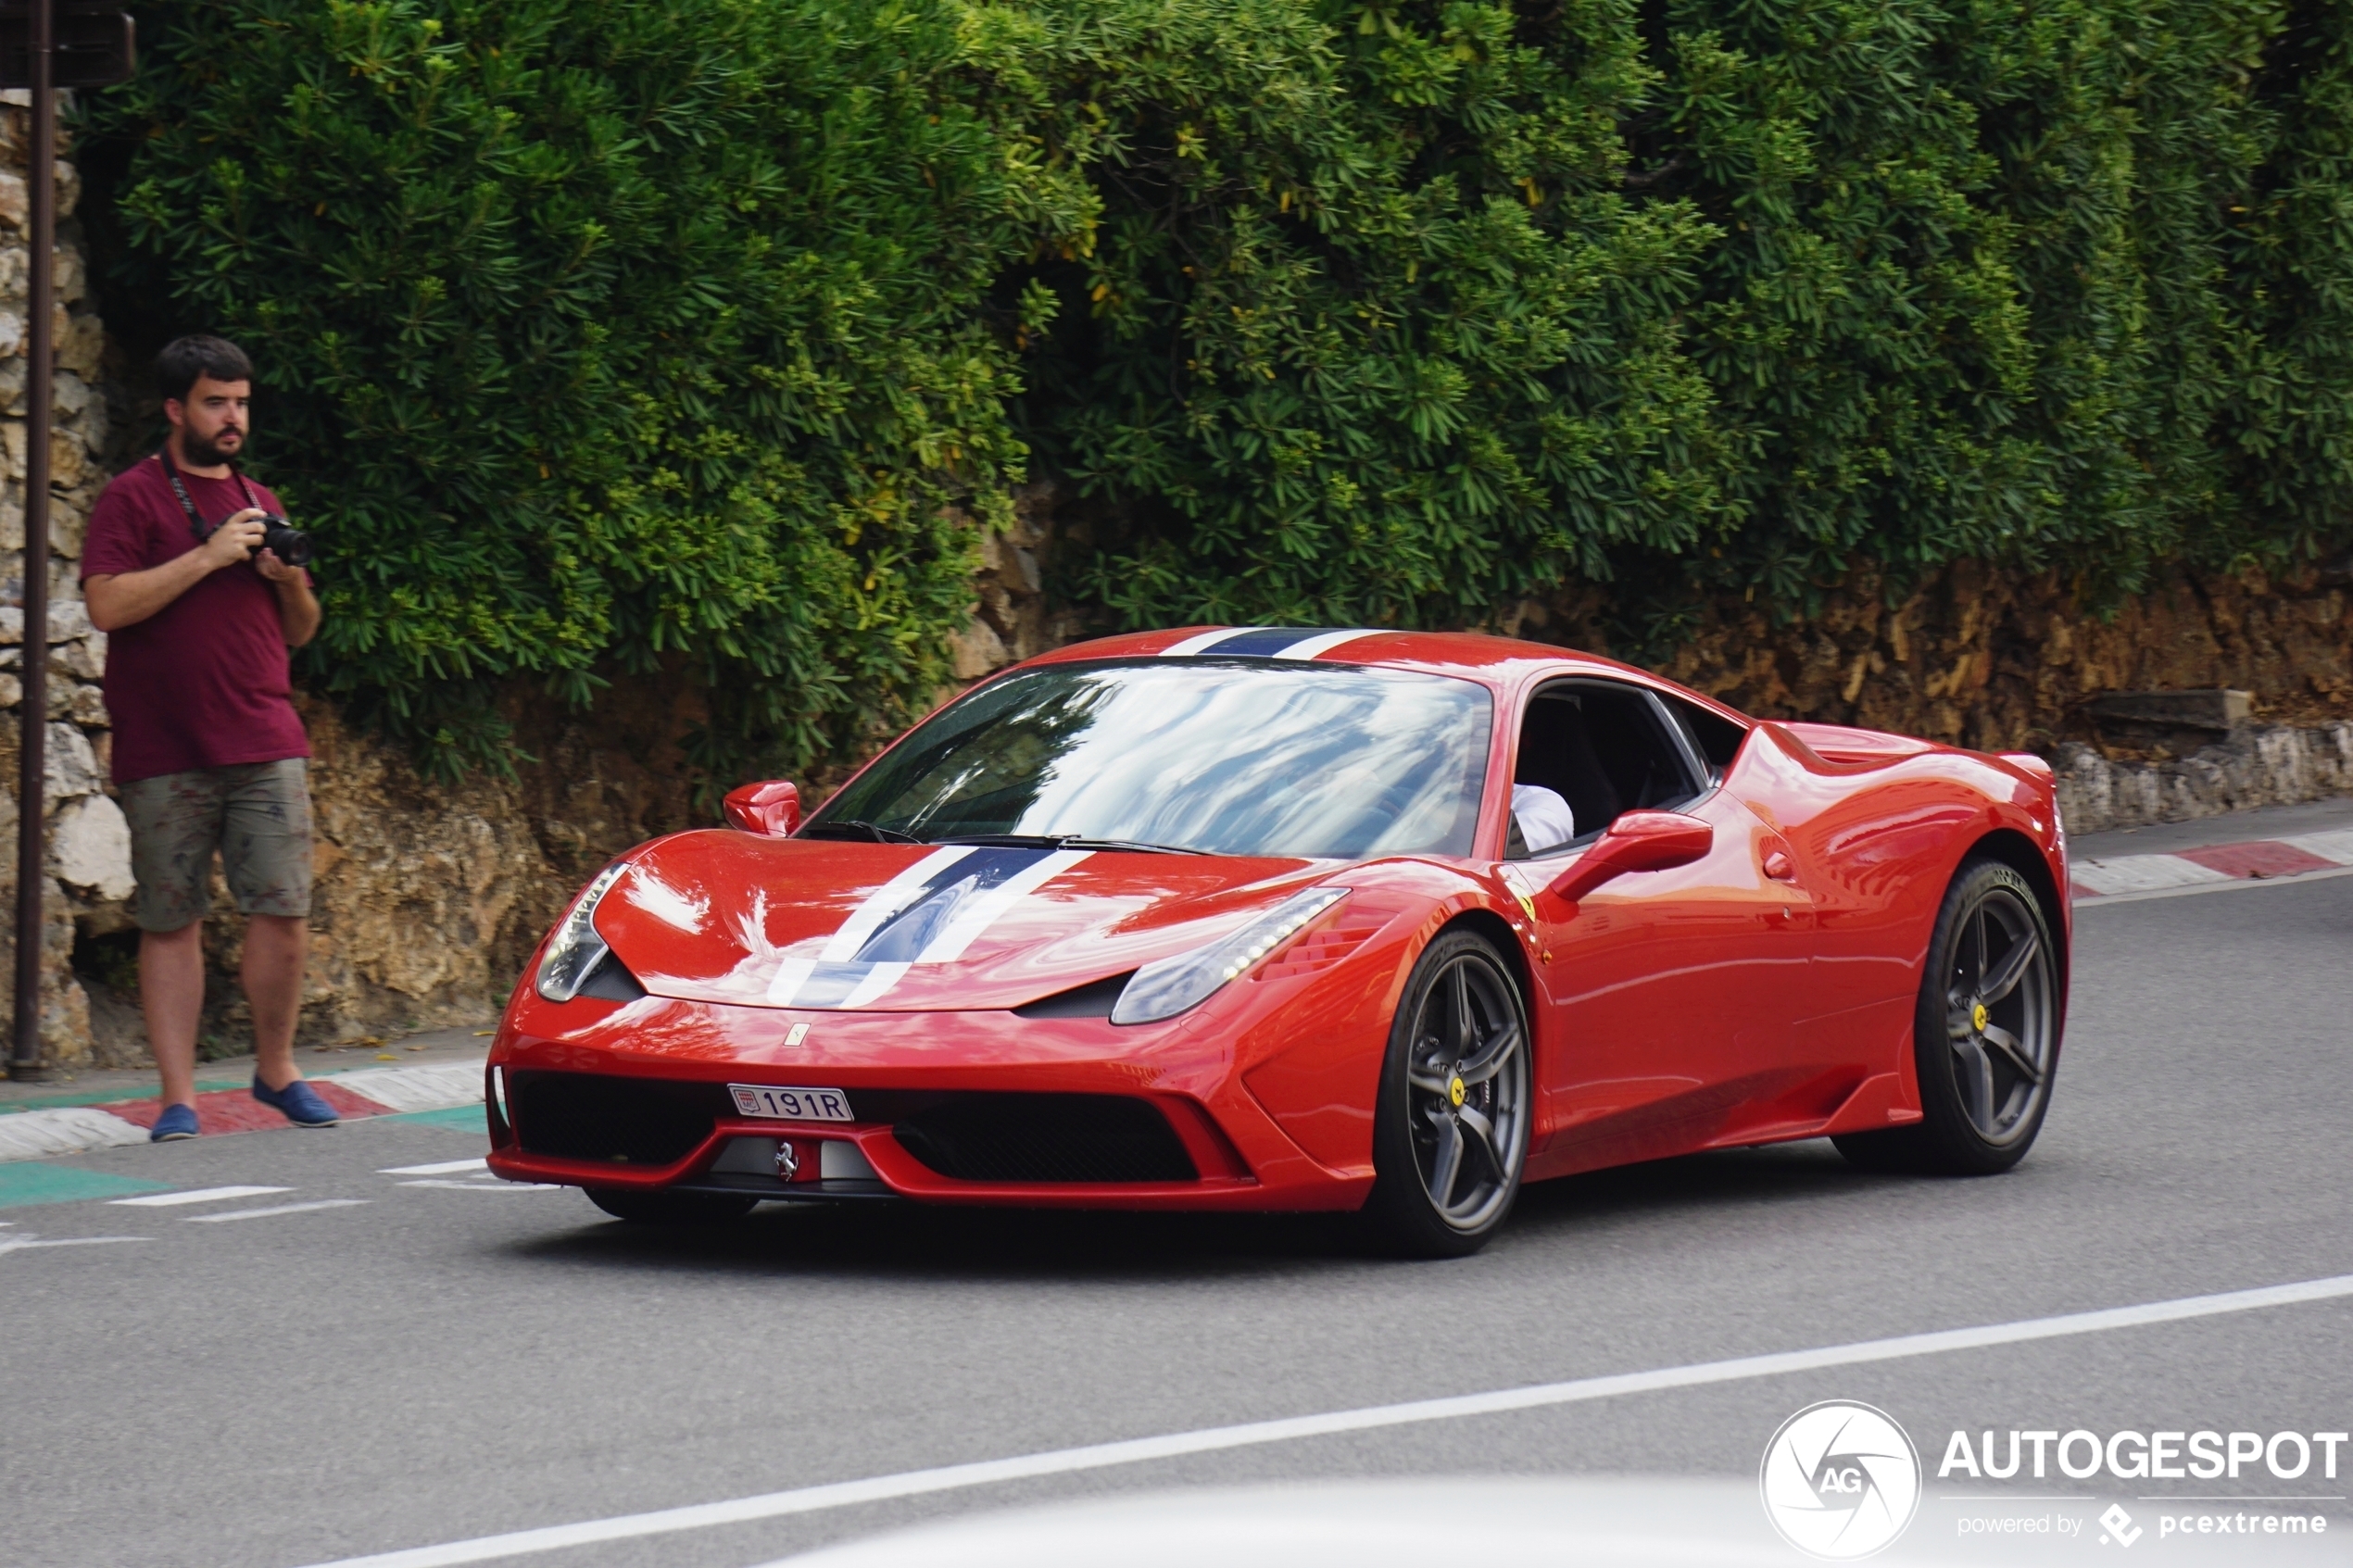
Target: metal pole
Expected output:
[24,1057]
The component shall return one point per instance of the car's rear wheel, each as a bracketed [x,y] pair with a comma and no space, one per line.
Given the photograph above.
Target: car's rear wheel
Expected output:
[1450,1125]
[677,1208]
[1985,1037]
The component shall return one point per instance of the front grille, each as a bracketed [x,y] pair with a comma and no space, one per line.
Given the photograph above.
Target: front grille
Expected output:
[1003,1137]
[612,1121]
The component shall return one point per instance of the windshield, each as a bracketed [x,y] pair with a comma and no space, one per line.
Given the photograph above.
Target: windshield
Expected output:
[1228,759]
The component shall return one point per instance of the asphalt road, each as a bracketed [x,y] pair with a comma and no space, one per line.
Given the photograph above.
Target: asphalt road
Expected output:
[432,1364]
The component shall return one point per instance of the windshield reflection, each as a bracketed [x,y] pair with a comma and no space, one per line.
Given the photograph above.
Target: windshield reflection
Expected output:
[1229,759]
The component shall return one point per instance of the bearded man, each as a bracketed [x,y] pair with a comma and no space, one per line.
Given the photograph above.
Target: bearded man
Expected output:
[208,752]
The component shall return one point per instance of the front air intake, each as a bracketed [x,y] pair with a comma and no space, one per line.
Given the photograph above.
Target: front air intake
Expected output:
[612,1121]
[1059,1139]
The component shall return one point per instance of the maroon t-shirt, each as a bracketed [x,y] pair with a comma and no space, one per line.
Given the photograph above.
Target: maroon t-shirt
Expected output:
[203,682]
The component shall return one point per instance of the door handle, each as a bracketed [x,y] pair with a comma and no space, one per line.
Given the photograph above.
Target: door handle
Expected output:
[1780,867]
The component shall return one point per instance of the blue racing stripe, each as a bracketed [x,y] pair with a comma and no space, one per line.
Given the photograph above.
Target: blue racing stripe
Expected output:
[1262,641]
[906,933]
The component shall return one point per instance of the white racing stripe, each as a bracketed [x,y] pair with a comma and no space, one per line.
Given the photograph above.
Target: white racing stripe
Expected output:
[1311,646]
[198,1195]
[1199,641]
[1102,1456]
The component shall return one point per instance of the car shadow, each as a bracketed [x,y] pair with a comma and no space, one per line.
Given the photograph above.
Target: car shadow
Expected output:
[922,1242]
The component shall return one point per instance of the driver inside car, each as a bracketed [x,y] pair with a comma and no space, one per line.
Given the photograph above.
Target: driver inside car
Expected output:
[1542,817]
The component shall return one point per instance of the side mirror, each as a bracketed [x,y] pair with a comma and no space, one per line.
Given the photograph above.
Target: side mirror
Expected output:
[1637,841]
[770,808]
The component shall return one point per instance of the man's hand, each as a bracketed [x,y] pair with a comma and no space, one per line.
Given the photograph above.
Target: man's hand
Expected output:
[236,540]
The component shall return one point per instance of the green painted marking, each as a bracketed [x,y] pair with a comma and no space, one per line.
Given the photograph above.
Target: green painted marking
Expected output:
[457,1119]
[29,1181]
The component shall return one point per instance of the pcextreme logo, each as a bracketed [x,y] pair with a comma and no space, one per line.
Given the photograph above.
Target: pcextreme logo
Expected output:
[1840,1481]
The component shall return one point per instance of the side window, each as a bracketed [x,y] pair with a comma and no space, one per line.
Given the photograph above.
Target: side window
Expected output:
[1718,738]
[1601,749]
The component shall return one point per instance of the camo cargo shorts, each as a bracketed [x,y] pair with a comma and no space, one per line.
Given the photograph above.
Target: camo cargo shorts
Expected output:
[256,814]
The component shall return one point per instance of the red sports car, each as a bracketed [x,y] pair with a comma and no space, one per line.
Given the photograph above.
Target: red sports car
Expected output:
[1257,917]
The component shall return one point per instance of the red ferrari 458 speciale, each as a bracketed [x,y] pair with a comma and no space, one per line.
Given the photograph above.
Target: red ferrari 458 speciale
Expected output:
[1288,919]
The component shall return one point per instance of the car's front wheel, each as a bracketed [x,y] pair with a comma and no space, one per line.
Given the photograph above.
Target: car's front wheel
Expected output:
[1451,1124]
[1985,1036]
[641,1207]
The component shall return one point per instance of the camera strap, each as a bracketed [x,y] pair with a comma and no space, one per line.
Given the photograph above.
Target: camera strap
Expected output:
[187,502]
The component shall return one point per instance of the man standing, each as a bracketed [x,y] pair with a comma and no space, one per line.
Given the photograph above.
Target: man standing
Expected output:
[208,752]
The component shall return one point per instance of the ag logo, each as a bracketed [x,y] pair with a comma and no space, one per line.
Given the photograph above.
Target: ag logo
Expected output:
[1840,1480]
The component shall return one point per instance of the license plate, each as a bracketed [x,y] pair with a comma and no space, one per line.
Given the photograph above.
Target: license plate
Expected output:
[791,1105]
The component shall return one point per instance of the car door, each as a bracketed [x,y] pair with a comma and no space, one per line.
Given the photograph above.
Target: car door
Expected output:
[1672,992]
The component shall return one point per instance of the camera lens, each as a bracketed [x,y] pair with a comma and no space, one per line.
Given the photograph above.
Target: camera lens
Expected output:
[288,544]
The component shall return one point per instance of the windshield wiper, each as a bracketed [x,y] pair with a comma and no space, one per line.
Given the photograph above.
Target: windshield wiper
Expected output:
[850,827]
[1063,841]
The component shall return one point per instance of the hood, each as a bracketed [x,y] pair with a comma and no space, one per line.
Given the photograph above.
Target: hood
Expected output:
[718,916]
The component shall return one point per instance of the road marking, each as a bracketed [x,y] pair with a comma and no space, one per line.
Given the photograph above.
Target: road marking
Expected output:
[439,1168]
[2235,885]
[1175,1445]
[2140,873]
[280,1208]
[491,1186]
[195,1195]
[27,1243]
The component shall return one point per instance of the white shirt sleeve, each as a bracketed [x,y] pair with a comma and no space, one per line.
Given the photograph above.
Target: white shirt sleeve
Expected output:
[1544,818]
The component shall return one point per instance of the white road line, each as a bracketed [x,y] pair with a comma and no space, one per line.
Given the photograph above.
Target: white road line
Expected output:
[2235,884]
[438,1168]
[491,1186]
[1137,1450]
[195,1195]
[27,1243]
[280,1209]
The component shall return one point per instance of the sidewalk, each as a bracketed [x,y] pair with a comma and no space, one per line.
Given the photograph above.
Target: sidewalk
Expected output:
[437,1073]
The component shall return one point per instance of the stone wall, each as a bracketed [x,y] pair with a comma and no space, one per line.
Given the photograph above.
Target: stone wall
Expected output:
[89,862]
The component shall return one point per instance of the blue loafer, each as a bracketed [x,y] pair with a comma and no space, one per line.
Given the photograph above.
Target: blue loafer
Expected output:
[300,1101]
[176,1122]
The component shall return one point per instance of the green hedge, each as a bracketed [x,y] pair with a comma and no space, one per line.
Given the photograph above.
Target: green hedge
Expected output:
[599,333]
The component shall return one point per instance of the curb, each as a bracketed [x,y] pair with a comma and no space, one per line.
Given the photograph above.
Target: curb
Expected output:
[368,1091]
[2258,859]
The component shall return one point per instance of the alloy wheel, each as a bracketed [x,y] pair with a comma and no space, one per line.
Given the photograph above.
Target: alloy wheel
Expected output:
[1998,1016]
[1467,1078]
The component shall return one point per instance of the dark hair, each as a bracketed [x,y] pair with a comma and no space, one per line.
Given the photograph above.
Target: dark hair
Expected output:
[185,359]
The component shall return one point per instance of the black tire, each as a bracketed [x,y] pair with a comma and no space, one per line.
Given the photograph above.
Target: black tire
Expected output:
[1986,1035]
[1455,1077]
[677,1210]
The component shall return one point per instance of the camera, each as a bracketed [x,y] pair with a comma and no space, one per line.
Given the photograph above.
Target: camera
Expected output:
[290,543]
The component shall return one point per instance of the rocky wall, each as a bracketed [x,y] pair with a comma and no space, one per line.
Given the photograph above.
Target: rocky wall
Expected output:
[89,860]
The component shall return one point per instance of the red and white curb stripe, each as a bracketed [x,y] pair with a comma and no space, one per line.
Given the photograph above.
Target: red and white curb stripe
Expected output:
[2257,860]
[372,1091]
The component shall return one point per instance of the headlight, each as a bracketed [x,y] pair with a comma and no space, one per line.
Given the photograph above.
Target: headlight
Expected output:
[576,947]
[1168,986]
